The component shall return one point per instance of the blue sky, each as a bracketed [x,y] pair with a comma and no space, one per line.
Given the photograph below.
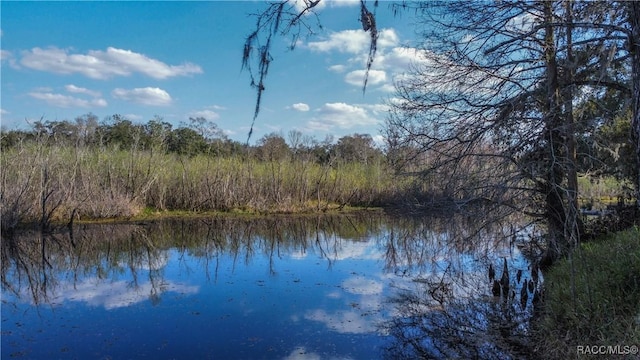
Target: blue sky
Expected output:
[182,59]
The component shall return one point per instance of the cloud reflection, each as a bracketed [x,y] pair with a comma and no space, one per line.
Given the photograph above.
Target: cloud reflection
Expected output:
[115,294]
[301,353]
[362,286]
[344,322]
[342,249]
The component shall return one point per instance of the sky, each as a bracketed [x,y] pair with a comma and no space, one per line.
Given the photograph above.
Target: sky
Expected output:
[177,60]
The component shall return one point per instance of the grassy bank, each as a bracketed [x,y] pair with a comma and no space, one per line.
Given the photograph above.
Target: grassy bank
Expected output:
[592,299]
[43,184]
[600,192]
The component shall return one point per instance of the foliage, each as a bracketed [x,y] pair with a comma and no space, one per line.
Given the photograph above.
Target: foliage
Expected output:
[592,298]
[50,175]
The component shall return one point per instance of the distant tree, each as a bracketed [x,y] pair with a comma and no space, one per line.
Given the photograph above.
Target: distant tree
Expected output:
[357,148]
[118,130]
[603,135]
[13,138]
[323,151]
[294,138]
[186,141]
[206,128]
[59,132]
[86,127]
[272,147]
[157,133]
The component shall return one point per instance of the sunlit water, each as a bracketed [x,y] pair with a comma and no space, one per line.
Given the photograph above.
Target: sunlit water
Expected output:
[277,288]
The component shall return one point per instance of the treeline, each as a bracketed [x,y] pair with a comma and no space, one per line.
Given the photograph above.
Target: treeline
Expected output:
[197,137]
[63,171]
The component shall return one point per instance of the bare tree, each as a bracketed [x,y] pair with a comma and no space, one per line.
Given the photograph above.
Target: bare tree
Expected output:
[488,113]
[496,84]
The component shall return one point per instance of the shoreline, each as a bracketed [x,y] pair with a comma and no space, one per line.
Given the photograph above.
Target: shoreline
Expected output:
[160,215]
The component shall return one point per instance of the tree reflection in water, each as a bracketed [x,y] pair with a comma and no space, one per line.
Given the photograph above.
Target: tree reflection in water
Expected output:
[41,266]
[449,309]
[440,294]
[35,265]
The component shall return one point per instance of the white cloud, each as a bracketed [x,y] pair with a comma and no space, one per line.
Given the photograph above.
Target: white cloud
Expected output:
[341,115]
[343,3]
[387,38]
[350,41]
[207,114]
[146,96]
[133,117]
[300,107]
[98,64]
[3,113]
[66,101]
[342,109]
[376,108]
[80,90]
[379,140]
[5,54]
[354,41]
[356,77]
[300,5]
[522,23]
[338,68]
[391,59]
[400,58]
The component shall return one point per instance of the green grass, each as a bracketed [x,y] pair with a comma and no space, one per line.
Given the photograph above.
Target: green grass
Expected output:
[109,183]
[592,298]
[598,192]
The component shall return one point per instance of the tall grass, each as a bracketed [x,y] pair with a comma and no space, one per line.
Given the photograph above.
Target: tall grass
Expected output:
[598,192]
[592,299]
[43,183]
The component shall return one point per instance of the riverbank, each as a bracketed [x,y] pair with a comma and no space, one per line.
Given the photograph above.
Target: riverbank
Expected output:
[592,301]
[150,214]
[47,185]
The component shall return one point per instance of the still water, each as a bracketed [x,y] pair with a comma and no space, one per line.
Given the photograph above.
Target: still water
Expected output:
[323,287]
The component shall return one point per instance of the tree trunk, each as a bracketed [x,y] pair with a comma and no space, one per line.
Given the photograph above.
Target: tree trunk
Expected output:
[574,223]
[634,50]
[554,198]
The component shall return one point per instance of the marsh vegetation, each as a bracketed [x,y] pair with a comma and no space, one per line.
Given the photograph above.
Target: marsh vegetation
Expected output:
[62,172]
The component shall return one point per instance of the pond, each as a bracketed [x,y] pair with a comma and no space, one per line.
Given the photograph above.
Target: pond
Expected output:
[356,286]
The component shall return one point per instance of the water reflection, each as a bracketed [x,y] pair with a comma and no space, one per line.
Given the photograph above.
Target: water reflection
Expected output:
[278,287]
[450,308]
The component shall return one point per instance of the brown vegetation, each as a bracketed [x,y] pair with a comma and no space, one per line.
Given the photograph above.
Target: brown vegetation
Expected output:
[47,183]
